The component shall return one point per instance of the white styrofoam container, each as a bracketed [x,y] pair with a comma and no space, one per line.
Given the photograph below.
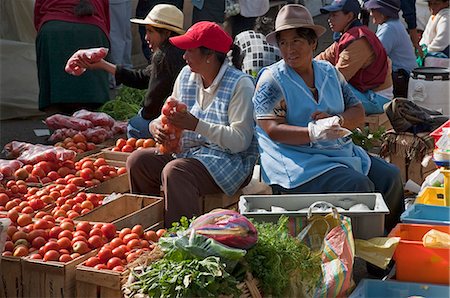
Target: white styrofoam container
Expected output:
[366,224]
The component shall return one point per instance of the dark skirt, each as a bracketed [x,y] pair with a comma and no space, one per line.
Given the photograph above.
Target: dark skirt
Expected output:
[55,44]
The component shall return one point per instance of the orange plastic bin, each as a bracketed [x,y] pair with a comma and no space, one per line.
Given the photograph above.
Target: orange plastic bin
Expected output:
[417,263]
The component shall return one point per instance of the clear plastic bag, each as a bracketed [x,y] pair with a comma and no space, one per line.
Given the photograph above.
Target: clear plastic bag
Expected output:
[8,167]
[31,154]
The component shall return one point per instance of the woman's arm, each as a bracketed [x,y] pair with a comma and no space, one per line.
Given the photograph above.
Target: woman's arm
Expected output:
[270,111]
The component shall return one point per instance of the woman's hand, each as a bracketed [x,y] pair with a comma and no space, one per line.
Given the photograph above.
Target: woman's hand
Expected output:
[183,120]
[85,62]
[319,115]
[157,131]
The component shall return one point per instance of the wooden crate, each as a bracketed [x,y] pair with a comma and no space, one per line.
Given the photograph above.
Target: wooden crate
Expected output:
[220,200]
[93,283]
[50,279]
[115,155]
[117,184]
[111,162]
[129,210]
[377,120]
[11,277]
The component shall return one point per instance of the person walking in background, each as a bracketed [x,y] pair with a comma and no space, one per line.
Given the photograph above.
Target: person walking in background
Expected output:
[256,52]
[120,35]
[436,36]
[162,22]
[63,27]
[395,40]
[248,11]
[304,110]
[359,55]
[218,148]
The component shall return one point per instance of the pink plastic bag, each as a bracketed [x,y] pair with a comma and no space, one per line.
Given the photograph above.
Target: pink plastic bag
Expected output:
[93,55]
[97,118]
[227,227]
[61,121]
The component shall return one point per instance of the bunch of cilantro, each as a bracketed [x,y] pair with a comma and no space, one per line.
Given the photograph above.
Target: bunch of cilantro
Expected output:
[280,261]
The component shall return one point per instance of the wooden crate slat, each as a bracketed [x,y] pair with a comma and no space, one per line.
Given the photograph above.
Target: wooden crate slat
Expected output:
[50,279]
[11,277]
[117,184]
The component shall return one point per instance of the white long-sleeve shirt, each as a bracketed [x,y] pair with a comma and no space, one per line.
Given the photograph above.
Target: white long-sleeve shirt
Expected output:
[437,32]
[238,135]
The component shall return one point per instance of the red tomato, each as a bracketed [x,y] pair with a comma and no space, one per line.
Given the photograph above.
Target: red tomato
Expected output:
[100,266]
[109,230]
[64,242]
[65,258]
[119,252]
[119,268]
[95,241]
[134,244]
[116,242]
[161,232]
[92,261]
[138,229]
[80,247]
[113,262]
[51,255]
[84,226]
[105,254]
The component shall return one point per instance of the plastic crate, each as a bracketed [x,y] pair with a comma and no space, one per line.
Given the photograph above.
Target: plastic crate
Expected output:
[431,196]
[426,214]
[437,133]
[378,288]
[417,263]
[365,224]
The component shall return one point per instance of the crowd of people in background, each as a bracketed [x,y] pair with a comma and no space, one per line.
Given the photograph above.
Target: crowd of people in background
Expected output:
[248,82]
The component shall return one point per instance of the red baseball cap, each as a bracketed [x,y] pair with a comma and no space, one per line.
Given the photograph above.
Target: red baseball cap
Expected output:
[204,34]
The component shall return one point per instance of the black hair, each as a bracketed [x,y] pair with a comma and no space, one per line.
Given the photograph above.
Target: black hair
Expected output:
[305,33]
[163,30]
[264,25]
[236,58]
[84,8]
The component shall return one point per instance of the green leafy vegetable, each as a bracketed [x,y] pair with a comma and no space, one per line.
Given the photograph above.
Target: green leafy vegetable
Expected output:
[279,260]
[186,278]
[125,105]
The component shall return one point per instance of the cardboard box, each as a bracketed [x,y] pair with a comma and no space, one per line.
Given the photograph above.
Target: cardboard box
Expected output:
[407,151]
[129,210]
[366,224]
[375,121]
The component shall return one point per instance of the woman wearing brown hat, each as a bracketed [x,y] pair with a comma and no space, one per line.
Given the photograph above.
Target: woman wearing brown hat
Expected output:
[218,147]
[304,110]
[162,22]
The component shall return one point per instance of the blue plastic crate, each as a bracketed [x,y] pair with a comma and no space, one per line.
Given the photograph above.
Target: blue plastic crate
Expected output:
[386,289]
[426,214]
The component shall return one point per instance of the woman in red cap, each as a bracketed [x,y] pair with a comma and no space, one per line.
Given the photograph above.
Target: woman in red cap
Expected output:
[218,150]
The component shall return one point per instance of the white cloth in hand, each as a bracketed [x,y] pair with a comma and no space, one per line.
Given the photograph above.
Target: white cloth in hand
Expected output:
[326,129]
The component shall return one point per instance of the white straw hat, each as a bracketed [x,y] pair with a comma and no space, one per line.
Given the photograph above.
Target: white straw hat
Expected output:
[164,16]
